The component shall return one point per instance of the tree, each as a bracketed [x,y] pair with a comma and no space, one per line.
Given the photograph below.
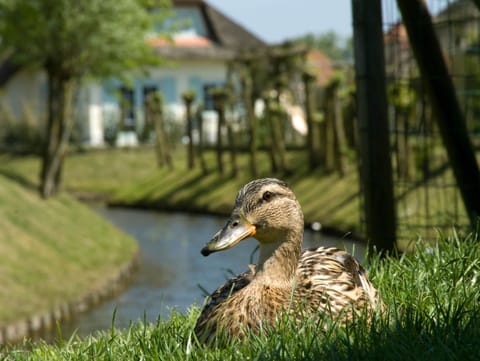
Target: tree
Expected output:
[188,98]
[69,40]
[220,96]
[155,113]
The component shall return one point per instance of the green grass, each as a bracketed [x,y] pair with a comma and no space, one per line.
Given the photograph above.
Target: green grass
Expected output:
[53,251]
[431,295]
[432,312]
[98,172]
[131,177]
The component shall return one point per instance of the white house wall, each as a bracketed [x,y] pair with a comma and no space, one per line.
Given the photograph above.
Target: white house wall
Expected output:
[187,76]
[95,127]
[97,104]
[171,81]
[28,89]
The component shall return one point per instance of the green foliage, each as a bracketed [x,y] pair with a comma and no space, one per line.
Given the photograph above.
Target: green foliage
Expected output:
[188,96]
[91,37]
[332,44]
[402,95]
[431,313]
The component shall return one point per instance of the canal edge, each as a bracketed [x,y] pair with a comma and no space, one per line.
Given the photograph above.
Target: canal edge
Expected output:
[35,324]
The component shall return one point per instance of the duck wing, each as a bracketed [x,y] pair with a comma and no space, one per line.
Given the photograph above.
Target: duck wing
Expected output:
[332,280]
[219,296]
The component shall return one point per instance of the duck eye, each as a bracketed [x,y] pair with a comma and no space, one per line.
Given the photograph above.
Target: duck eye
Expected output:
[267,196]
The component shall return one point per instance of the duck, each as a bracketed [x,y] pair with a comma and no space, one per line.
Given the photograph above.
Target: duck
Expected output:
[304,282]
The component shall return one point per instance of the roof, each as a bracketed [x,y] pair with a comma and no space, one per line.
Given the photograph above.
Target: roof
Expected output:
[322,66]
[225,37]
[229,33]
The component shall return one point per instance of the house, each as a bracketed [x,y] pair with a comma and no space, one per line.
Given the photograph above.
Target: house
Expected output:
[458,33]
[399,58]
[196,59]
[456,27]
[322,65]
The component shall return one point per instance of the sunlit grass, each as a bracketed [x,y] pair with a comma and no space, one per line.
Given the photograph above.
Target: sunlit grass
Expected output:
[431,313]
[52,252]
[131,177]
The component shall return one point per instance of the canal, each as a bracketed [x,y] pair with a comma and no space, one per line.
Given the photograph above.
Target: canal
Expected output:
[172,272]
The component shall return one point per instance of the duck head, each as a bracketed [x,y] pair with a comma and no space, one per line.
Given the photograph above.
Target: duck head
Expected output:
[265,209]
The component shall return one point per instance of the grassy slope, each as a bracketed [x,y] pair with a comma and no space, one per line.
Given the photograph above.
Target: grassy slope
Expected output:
[52,251]
[327,198]
[431,295]
[432,313]
[185,189]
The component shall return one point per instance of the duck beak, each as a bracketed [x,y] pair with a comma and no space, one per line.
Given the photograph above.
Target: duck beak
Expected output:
[236,229]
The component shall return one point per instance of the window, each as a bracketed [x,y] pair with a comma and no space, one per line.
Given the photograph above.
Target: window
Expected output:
[186,20]
[195,83]
[127,108]
[147,90]
[208,99]
[168,87]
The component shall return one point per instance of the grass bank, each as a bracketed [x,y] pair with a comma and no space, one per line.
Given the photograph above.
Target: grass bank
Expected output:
[432,313]
[52,252]
[130,177]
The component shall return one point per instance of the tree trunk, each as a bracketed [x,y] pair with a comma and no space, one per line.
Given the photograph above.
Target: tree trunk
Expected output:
[277,143]
[220,124]
[403,151]
[233,150]
[329,135]
[322,139]
[220,98]
[340,137]
[203,163]
[280,140]
[162,149]
[59,126]
[309,83]
[191,154]
[251,121]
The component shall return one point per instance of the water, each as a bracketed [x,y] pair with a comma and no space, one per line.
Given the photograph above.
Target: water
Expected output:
[171,267]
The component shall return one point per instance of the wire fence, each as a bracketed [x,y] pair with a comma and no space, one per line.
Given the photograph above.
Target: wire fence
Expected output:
[427,197]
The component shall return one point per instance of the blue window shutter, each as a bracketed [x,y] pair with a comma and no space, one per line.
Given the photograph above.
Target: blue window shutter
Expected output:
[168,87]
[195,83]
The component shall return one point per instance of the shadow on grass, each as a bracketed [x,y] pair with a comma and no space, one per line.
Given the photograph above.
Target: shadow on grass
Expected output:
[197,185]
[20,179]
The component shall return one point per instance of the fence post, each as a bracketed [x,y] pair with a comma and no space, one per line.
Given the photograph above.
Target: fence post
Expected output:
[374,146]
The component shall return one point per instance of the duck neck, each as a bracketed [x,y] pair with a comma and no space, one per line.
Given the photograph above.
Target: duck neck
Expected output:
[278,261]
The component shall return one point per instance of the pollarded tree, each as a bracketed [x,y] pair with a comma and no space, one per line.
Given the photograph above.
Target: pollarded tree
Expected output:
[70,40]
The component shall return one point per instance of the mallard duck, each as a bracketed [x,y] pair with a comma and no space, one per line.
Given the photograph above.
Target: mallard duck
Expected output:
[323,279]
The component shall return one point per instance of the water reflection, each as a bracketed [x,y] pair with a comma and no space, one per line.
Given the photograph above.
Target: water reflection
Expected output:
[171,266]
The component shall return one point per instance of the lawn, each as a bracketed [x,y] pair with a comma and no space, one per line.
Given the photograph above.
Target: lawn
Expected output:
[431,313]
[431,294]
[53,252]
[130,177]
